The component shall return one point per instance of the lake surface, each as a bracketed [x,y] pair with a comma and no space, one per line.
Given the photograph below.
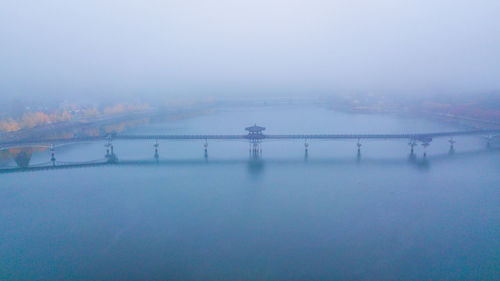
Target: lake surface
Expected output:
[381,215]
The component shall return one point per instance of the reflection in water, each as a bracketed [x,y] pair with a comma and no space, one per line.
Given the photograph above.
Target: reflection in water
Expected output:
[23,157]
[451,151]
[20,155]
[412,158]
[255,167]
[256,164]
[421,164]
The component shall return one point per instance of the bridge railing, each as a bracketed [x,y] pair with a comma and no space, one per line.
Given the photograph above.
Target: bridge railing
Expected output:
[412,136]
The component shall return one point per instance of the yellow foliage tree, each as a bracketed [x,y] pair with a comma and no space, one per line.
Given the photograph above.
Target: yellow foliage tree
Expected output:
[34,119]
[9,125]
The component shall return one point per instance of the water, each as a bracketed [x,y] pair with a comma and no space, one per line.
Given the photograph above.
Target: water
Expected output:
[332,215]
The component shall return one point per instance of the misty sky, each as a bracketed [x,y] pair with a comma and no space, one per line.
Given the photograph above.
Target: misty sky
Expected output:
[94,48]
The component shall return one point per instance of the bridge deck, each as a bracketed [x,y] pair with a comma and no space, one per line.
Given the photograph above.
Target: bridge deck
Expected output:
[424,137]
[417,136]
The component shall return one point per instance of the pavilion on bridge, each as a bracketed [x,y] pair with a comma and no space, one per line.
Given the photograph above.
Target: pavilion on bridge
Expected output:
[255,131]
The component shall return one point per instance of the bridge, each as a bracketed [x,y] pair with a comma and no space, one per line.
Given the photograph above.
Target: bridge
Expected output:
[255,136]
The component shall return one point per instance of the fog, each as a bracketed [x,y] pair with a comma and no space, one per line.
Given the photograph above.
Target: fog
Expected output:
[95,49]
[249,140]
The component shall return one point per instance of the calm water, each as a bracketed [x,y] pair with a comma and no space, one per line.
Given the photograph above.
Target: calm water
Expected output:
[329,216]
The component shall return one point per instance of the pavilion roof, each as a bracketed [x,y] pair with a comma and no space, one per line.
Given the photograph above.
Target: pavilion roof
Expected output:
[255,128]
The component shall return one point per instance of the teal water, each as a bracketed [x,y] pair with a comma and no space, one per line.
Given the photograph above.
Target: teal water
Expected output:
[330,216]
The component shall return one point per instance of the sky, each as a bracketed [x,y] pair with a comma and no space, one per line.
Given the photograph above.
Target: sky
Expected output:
[102,48]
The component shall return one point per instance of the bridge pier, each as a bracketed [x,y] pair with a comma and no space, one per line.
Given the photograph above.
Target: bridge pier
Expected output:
[412,144]
[52,155]
[107,145]
[488,141]
[255,138]
[205,148]
[425,145]
[306,150]
[110,152]
[255,149]
[452,146]
[358,144]
[157,154]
